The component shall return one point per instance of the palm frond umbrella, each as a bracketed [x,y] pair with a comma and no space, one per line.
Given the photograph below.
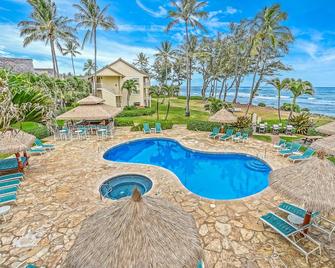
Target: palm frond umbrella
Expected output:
[137,232]
[325,144]
[310,184]
[223,116]
[328,129]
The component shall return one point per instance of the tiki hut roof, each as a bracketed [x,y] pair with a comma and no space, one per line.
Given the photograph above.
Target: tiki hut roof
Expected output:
[223,116]
[310,184]
[91,109]
[325,144]
[328,129]
[137,232]
[13,141]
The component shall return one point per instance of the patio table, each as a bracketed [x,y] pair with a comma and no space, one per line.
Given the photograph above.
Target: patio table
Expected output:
[3,211]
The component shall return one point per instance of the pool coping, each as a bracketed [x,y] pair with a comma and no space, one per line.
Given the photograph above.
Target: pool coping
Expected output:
[109,162]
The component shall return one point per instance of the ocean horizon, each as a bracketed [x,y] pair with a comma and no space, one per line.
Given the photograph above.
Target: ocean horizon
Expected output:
[322,102]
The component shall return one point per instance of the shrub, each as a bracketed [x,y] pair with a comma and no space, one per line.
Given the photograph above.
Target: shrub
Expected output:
[243,122]
[302,123]
[123,122]
[216,105]
[191,98]
[287,107]
[198,125]
[131,112]
[164,125]
[304,110]
[261,104]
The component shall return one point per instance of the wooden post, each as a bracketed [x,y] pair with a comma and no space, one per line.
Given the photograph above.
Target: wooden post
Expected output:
[26,156]
[307,220]
[19,162]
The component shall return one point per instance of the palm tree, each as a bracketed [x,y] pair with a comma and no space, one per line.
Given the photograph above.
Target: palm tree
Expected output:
[89,66]
[298,88]
[131,87]
[169,91]
[71,49]
[45,25]
[279,86]
[187,12]
[165,52]
[90,17]
[142,62]
[156,91]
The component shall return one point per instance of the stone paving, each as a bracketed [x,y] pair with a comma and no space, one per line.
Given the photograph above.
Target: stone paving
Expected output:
[61,189]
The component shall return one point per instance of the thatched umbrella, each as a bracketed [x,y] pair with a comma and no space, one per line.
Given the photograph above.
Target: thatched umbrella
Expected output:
[325,144]
[310,184]
[137,232]
[13,141]
[223,116]
[328,129]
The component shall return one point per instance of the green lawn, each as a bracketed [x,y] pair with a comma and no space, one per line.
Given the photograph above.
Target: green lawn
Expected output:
[36,129]
[332,159]
[264,138]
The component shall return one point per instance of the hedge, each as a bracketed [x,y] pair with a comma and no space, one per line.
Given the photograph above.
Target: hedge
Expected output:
[198,125]
[164,125]
[123,122]
[136,112]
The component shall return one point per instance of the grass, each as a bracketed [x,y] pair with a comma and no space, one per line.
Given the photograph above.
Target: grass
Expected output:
[264,138]
[332,159]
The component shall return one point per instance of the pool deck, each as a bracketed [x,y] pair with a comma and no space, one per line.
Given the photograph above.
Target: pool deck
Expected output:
[61,189]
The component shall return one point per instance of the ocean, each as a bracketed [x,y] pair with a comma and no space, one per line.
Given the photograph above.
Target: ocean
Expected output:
[322,102]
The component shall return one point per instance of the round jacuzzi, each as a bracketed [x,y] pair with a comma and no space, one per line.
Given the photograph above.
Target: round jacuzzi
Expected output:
[124,185]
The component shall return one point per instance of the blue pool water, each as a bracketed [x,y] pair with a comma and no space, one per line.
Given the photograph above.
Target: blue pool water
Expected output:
[221,176]
[124,185]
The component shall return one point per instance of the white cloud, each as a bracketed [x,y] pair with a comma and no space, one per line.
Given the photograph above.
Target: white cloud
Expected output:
[231,10]
[162,12]
[140,28]
[108,50]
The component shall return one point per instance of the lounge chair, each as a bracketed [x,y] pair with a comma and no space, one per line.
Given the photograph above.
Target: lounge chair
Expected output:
[294,149]
[146,128]
[237,137]
[293,234]
[7,199]
[319,222]
[10,177]
[9,165]
[228,135]
[280,144]
[36,150]
[39,143]
[305,156]
[158,127]
[8,191]
[215,133]
[7,184]
[245,137]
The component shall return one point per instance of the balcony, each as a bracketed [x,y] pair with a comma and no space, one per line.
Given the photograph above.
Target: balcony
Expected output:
[112,90]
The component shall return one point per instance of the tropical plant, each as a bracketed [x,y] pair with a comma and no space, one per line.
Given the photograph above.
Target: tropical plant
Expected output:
[288,106]
[90,16]
[298,88]
[187,12]
[279,86]
[131,87]
[169,91]
[165,53]
[71,48]
[302,123]
[243,122]
[156,92]
[142,62]
[214,105]
[47,26]
[89,67]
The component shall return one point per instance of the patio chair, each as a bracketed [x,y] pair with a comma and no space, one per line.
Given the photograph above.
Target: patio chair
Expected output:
[245,137]
[10,165]
[7,199]
[289,130]
[158,127]
[64,133]
[39,143]
[36,150]
[8,184]
[321,223]
[280,144]
[8,191]
[275,129]
[293,234]
[10,177]
[215,133]
[228,135]
[262,128]
[146,128]
[294,149]
[237,137]
[305,156]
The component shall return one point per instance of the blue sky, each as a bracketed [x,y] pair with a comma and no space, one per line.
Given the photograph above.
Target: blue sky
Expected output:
[141,29]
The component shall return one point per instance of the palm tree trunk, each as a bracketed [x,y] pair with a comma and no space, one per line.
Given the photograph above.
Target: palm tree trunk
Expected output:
[95,62]
[74,71]
[292,107]
[52,47]
[237,88]
[279,115]
[188,82]
[167,110]
[157,108]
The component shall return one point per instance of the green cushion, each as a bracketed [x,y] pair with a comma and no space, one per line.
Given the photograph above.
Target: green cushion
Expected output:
[11,176]
[8,190]
[9,183]
[7,198]
[300,212]
[278,223]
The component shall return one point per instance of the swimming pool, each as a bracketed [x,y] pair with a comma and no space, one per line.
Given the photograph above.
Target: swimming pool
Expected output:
[221,176]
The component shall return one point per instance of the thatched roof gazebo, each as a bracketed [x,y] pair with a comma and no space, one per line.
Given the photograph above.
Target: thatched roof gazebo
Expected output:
[137,232]
[310,184]
[14,140]
[328,129]
[90,109]
[325,144]
[223,116]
